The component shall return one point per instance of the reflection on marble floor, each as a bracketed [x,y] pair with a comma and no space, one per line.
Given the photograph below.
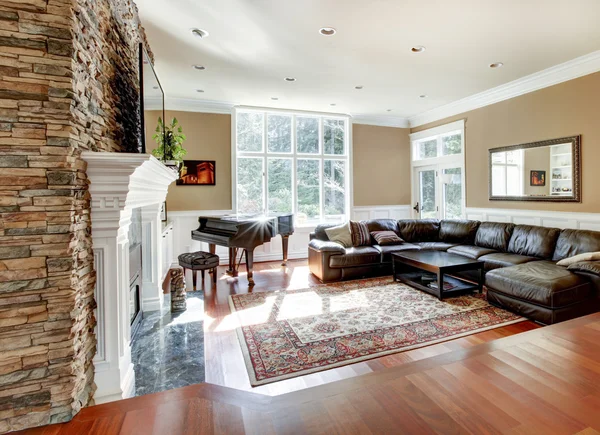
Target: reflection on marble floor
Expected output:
[168,350]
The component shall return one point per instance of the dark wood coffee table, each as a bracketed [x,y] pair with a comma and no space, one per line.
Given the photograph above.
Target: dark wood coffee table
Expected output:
[426,270]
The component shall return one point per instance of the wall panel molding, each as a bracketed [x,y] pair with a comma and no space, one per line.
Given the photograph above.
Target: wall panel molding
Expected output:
[582,221]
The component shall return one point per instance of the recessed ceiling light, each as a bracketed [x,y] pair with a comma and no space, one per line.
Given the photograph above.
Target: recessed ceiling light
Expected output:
[418,49]
[327,31]
[200,90]
[423,96]
[388,110]
[199,67]
[274,98]
[200,33]
[154,87]
[358,87]
[290,79]
[332,104]
[496,65]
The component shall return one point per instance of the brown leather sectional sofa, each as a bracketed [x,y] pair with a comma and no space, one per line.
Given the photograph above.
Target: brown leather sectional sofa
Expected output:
[520,261]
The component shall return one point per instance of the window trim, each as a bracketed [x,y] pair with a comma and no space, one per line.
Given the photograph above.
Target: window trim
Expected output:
[321,156]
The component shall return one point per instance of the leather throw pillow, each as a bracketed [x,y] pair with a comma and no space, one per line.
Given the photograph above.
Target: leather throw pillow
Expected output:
[384,238]
[340,234]
[587,256]
[360,234]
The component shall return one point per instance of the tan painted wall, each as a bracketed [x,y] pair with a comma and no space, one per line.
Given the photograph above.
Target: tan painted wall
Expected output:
[208,138]
[381,165]
[565,109]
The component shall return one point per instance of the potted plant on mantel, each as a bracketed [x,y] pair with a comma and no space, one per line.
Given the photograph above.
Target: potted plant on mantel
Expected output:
[170,150]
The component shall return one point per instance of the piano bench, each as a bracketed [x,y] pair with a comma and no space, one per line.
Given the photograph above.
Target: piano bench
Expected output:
[199,260]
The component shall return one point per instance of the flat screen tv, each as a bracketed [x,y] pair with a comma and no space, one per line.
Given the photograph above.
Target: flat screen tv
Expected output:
[152,100]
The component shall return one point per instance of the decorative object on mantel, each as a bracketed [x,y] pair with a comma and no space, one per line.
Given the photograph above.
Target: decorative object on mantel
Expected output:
[170,150]
[163,211]
[178,294]
[197,173]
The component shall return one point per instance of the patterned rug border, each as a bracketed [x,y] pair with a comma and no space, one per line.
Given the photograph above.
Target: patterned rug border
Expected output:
[375,281]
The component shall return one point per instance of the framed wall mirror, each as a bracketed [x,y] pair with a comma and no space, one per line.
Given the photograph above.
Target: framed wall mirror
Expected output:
[548,170]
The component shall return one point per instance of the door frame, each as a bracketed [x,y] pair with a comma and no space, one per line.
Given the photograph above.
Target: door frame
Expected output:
[441,162]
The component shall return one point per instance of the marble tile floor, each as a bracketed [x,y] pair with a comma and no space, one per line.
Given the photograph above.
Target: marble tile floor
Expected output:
[168,349]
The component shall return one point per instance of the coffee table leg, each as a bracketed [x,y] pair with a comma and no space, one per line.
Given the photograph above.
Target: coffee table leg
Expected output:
[481,279]
[440,285]
[394,269]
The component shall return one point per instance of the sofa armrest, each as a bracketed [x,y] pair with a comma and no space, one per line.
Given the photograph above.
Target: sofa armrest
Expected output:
[327,246]
[592,267]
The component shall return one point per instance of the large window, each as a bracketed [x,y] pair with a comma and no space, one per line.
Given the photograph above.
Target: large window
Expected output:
[292,163]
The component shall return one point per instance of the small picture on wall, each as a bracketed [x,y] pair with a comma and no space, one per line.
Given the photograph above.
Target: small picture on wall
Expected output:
[197,173]
[163,212]
[537,178]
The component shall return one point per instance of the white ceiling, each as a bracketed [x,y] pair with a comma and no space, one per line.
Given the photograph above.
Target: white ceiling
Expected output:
[254,44]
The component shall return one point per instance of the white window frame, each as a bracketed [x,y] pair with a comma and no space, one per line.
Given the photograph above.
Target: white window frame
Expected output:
[294,156]
[440,162]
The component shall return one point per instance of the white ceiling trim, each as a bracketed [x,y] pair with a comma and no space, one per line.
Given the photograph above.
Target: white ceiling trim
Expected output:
[578,67]
[381,121]
[203,106]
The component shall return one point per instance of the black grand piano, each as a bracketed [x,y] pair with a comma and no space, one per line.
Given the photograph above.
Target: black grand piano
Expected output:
[244,232]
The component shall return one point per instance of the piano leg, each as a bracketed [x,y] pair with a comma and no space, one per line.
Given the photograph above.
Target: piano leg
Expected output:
[232,270]
[249,263]
[212,248]
[284,245]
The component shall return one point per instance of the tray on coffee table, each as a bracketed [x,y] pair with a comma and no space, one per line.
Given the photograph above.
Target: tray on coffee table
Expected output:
[429,271]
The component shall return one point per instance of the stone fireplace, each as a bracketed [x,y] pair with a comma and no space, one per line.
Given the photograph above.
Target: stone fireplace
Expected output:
[119,184]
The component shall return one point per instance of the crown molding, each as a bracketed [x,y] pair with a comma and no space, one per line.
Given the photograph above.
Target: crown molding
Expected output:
[578,67]
[381,121]
[204,106]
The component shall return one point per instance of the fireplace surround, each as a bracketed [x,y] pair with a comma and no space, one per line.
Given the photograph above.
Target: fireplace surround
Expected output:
[120,183]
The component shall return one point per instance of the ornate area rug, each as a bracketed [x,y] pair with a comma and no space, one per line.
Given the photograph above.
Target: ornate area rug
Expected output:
[285,334]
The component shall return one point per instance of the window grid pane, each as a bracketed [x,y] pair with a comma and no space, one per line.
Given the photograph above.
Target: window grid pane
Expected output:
[250,131]
[428,149]
[279,133]
[279,189]
[334,188]
[250,185]
[333,136]
[309,188]
[307,135]
[451,144]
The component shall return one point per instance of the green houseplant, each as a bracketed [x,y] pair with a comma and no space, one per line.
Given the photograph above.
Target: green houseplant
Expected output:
[170,149]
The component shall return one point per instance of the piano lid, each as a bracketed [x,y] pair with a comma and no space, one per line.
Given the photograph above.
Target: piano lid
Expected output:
[242,217]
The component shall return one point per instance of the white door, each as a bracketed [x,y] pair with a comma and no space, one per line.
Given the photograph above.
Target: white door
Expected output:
[426,192]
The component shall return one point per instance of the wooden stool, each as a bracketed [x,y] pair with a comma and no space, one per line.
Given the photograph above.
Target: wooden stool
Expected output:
[199,260]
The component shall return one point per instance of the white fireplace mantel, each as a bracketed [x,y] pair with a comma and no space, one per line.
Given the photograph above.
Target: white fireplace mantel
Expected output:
[119,183]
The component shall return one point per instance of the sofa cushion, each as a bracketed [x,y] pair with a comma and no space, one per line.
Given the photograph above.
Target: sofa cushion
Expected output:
[587,256]
[458,231]
[320,233]
[356,256]
[504,259]
[340,234]
[326,246]
[360,234]
[435,246]
[574,242]
[533,241]
[470,251]
[494,235]
[387,251]
[423,230]
[588,266]
[382,225]
[386,238]
[540,282]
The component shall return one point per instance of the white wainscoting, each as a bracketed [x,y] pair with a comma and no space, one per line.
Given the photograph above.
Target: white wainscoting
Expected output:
[556,219]
[381,212]
[185,221]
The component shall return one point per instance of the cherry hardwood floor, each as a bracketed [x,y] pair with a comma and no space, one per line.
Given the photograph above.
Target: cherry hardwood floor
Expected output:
[543,381]
[224,361]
